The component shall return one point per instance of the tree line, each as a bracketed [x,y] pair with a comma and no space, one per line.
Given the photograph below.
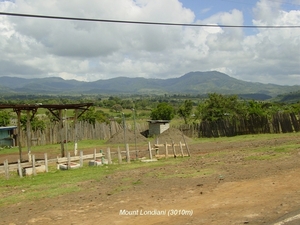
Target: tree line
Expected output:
[191,110]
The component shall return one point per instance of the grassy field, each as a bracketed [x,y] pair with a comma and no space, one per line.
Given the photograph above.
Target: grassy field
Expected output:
[47,185]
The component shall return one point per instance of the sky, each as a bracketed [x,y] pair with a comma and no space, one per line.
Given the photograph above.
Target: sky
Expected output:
[90,51]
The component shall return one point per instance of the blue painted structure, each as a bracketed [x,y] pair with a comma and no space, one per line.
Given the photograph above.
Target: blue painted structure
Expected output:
[7,136]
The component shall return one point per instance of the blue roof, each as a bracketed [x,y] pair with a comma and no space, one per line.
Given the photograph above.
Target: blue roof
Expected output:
[8,128]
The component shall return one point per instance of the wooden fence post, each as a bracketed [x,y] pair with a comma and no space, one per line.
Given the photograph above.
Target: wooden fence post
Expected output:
[95,154]
[57,162]
[173,147]
[20,168]
[109,156]
[33,165]
[181,149]
[166,148]
[119,155]
[46,163]
[69,161]
[150,152]
[127,153]
[186,145]
[6,169]
[81,158]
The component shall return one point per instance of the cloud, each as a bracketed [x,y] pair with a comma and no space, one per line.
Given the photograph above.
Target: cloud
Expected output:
[92,50]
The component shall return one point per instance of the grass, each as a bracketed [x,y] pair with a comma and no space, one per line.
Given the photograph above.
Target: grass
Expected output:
[56,148]
[48,184]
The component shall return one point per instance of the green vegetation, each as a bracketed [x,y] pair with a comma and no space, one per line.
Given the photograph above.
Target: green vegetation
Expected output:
[185,108]
[163,111]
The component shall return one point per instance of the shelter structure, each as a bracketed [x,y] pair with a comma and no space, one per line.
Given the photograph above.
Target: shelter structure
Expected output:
[55,110]
[8,136]
[156,127]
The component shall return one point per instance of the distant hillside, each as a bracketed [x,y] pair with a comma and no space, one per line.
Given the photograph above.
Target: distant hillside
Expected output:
[190,83]
[292,97]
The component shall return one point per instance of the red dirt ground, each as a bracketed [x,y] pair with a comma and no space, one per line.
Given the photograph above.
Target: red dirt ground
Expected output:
[238,191]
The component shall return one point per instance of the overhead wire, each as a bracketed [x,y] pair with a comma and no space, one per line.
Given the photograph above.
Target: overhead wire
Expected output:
[147,22]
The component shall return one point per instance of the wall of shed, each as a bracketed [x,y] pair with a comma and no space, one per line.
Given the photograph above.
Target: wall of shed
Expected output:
[158,128]
[5,139]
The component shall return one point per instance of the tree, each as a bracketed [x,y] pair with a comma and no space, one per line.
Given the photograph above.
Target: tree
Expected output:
[185,110]
[163,111]
[218,107]
[35,123]
[93,116]
[117,108]
[4,118]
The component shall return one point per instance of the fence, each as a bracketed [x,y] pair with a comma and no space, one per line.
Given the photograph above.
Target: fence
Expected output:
[82,131]
[278,123]
[73,162]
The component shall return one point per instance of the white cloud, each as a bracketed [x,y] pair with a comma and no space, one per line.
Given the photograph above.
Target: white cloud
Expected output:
[92,50]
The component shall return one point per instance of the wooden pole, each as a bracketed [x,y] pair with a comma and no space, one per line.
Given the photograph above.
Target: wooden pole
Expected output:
[180,144]
[173,147]
[62,147]
[81,159]
[75,133]
[57,163]
[33,165]
[69,160]
[28,133]
[109,156]
[150,152]
[166,149]
[95,155]
[127,153]
[186,145]
[6,169]
[119,156]
[20,169]
[46,162]
[19,134]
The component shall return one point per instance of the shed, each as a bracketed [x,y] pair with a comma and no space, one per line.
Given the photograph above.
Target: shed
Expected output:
[157,127]
[7,136]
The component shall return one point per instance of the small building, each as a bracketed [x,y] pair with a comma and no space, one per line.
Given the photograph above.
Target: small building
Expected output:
[157,127]
[7,136]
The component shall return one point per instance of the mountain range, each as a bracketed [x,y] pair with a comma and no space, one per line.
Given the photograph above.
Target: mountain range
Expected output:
[190,83]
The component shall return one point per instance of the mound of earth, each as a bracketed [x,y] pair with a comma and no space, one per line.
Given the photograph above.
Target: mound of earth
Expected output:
[172,134]
[118,138]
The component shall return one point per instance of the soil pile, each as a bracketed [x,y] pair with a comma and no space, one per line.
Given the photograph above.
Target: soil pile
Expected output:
[172,134]
[118,138]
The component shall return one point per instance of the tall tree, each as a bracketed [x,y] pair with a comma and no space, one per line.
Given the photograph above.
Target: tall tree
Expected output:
[163,111]
[185,110]
[4,118]
[218,107]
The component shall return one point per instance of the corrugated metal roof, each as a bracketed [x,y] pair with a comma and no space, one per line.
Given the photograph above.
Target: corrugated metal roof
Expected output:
[8,128]
[159,121]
